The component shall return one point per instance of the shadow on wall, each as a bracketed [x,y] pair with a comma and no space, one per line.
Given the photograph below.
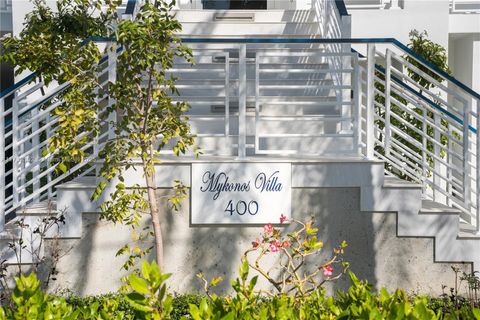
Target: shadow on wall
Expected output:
[337,216]
[214,251]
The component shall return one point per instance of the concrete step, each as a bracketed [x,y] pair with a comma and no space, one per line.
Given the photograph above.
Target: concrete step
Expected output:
[38,209]
[247,16]
[468,231]
[432,220]
[393,195]
[432,207]
[207,29]
[397,183]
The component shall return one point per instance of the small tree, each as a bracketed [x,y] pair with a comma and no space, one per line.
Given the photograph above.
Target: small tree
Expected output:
[430,51]
[149,118]
[140,113]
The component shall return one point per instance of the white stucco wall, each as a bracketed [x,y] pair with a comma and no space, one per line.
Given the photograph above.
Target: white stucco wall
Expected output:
[464,58]
[430,15]
[461,57]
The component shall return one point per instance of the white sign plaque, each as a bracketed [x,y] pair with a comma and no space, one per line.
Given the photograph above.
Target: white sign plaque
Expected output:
[240,193]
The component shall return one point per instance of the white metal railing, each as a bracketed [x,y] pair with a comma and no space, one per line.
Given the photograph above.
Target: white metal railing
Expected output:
[268,99]
[464,6]
[27,121]
[427,136]
[28,173]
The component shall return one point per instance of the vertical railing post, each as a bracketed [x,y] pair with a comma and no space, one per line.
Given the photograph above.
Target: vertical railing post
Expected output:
[3,162]
[466,155]
[439,182]
[242,101]
[478,165]
[357,112]
[112,116]
[388,72]
[346,80]
[424,151]
[370,129]
[49,175]
[227,97]
[112,77]
[257,101]
[36,156]
[15,151]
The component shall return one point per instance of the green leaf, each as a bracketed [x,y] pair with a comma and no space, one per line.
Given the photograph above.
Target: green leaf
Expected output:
[244,269]
[146,270]
[138,284]
[62,167]
[138,302]
[476,313]
[194,312]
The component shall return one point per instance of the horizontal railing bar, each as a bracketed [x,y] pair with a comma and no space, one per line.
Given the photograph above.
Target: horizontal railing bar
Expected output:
[417,116]
[431,154]
[424,134]
[289,70]
[42,113]
[406,165]
[424,90]
[398,166]
[46,126]
[424,75]
[300,135]
[307,86]
[420,146]
[304,118]
[29,91]
[425,99]
[49,170]
[427,152]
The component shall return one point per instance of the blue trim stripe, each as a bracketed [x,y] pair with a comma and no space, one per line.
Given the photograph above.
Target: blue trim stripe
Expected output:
[17,85]
[342,9]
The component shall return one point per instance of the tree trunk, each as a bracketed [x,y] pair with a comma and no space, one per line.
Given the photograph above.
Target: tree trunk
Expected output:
[152,201]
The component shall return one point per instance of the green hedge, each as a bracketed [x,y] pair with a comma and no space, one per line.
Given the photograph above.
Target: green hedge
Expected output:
[358,302]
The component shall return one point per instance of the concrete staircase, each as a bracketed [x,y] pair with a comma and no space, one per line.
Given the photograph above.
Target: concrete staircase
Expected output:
[453,242]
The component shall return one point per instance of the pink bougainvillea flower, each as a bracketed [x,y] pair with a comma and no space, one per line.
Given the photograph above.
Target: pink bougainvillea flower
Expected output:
[256,243]
[285,244]
[268,228]
[327,271]
[283,218]
[275,246]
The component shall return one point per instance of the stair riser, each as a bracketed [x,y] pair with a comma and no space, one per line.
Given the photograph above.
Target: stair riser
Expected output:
[272,16]
[410,225]
[390,200]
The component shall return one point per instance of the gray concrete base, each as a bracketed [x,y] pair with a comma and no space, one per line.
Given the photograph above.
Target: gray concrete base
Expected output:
[375,253]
